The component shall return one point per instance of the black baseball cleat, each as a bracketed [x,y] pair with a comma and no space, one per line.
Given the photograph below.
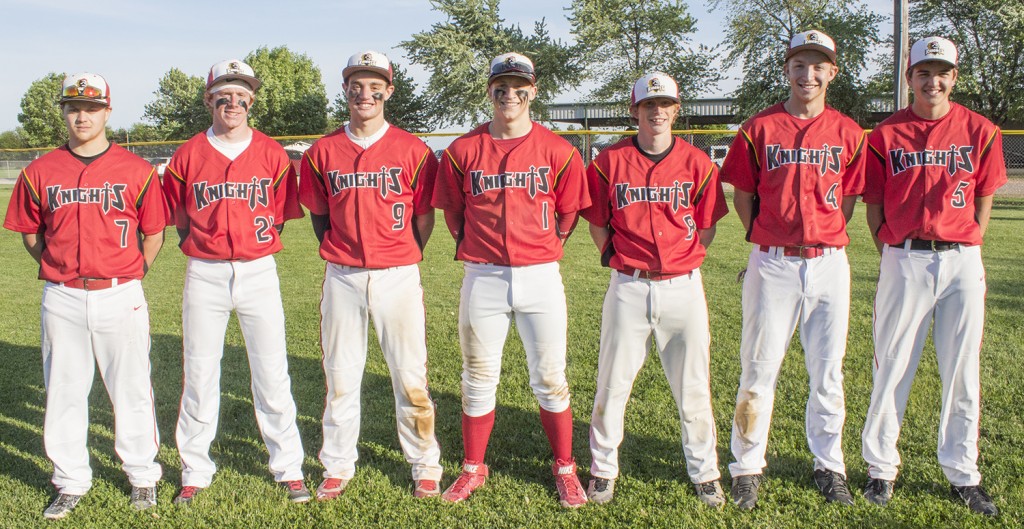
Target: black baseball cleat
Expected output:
[976,498]
[744,490]
[833,487]
[878,491]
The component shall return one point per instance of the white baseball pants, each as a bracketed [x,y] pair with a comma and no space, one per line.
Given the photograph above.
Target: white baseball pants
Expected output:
[491,296]
[212,290]
[915,288]
[674,313]
[81,330]
[394,297]
[780,293]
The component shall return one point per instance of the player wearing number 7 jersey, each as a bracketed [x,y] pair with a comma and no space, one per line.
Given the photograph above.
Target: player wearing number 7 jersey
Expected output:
[229,191]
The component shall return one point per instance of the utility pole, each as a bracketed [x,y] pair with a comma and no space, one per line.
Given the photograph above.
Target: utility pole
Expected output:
[901,23]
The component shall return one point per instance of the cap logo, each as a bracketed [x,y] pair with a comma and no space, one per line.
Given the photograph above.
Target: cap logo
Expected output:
[510,62]
[367,59]
[82,84]
[933,48]
[655,85]
[233,67]
[813,37]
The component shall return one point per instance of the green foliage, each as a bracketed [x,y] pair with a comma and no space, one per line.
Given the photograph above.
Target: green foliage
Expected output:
[406,109]
[758,35]
[12,139]
[178,111]
[292,99]
[42,124]
[989,34]
[622,40]
[135,133]
[458,54]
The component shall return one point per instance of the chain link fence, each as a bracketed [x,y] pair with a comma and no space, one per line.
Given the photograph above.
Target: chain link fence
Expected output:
[589,142]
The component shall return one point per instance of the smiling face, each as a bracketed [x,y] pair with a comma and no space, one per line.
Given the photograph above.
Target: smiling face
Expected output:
[656,115]
[366,93]
[809,73]
[511,95]
[86,121]
[230,108]
[932,82]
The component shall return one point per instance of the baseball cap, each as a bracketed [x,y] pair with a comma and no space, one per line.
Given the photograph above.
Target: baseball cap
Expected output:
[368,61]
[512,64]
[231,72]
[654,84]
[812,40]
[85,86]
[933,49]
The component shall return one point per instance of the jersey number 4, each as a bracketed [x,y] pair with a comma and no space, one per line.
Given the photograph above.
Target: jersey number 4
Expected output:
[830,196]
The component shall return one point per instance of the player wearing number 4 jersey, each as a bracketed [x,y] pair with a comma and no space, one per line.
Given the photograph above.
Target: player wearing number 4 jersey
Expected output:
[797,168]
[91,214]
[511,191]
[367,187]
[931,174]
[230,189]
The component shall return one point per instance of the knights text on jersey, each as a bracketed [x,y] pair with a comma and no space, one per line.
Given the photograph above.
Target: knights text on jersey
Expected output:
[230,207]
[800,169]
[510,198]
[371,195]
[654,210]
[89,216]
[927,173]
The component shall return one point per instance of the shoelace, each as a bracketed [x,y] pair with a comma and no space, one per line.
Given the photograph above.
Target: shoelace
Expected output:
[744,486]
[295,485]
[837,484]
[66,500]
[188,492]
[463,480]
[145,494]
[707,488]
[976,494]
[878,486]
[572,489]
[600,485]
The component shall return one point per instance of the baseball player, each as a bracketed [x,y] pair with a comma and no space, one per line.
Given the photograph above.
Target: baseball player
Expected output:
[655,201]
[368,193]
[511,191]
[229,190]
[91,214]
[797,169]
[931,174]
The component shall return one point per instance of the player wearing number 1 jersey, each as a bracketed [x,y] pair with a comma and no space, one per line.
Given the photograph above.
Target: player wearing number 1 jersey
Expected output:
[368,187]
[797,168]
[229,190]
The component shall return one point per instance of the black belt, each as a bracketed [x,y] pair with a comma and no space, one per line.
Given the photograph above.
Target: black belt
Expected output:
[935,246]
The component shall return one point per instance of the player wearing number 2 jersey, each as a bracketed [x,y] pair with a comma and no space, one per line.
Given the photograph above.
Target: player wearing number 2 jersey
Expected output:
[797,168]
[229,190]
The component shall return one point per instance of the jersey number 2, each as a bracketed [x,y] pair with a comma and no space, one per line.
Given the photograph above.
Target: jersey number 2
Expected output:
[263,227]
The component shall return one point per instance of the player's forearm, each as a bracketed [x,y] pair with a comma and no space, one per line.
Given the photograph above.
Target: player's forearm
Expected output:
[454,220]
[706,235]
[151,245]
[182,235]
[34,243]
[983,212]
[848,204]
[600,235]
[423,226]
[876,216]
[566,223]
[320,225]
[743,202]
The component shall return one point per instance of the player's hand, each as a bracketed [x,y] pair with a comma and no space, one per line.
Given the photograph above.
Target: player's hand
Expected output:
[741,275]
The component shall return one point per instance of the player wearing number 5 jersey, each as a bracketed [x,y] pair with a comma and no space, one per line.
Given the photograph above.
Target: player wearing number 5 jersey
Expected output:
[368,187]
[797,168]
[229,191]
[511,191]
[931,174]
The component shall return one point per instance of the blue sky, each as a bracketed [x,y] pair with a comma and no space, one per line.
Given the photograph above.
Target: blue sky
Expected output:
[133,43]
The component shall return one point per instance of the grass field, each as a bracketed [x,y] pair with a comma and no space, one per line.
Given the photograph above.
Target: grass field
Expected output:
[652,490]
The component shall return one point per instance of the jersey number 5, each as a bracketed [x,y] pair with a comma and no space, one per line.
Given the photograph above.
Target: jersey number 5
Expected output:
[959,200]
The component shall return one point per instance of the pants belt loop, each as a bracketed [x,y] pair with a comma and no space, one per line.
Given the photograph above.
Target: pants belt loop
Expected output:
[113,282]
[636,274]
[907,244]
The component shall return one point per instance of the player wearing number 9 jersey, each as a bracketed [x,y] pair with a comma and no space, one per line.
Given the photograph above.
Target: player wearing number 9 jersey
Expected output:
[229,191]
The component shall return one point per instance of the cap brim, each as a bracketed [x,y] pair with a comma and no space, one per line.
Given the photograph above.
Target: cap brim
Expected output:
[103,102]
[827,52]
[931,59]
[253,82]
[656,96]
[524,75]
[360,68]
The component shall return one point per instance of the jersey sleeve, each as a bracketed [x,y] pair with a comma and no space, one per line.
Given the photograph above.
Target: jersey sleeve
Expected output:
[24,212]
[286,194]
[741,165]
[853,178]
[448,193]
[874,169]
[599,213]
[151,206]
[423,183]
[174,192]
[709,199]
[312,191]
[570,185]
[992,170]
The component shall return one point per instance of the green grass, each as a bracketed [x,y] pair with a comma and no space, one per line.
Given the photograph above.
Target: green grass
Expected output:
[653,489]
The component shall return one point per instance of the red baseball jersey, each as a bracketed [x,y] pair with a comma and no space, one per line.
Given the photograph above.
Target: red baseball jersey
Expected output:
[926,174]
[800,169]
[654,210]
[230,207]
[510,197]
[88,215]
[371,196]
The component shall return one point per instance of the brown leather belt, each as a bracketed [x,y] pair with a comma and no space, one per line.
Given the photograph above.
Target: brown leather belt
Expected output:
[647,274]
[88,283]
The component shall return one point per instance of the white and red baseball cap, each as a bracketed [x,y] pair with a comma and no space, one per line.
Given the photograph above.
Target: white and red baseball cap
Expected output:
[368,61]
[812,40]
[514,64]
[654,84]
[933,49]
[85,86]
[234,73]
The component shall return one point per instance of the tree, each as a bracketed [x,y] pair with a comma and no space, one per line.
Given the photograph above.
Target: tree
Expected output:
[178,111]
[622,40]
[458,53]
[136,133]
[292,99]
[12,139]
[758,34]
[989,34]
[405,109]
[41,120]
